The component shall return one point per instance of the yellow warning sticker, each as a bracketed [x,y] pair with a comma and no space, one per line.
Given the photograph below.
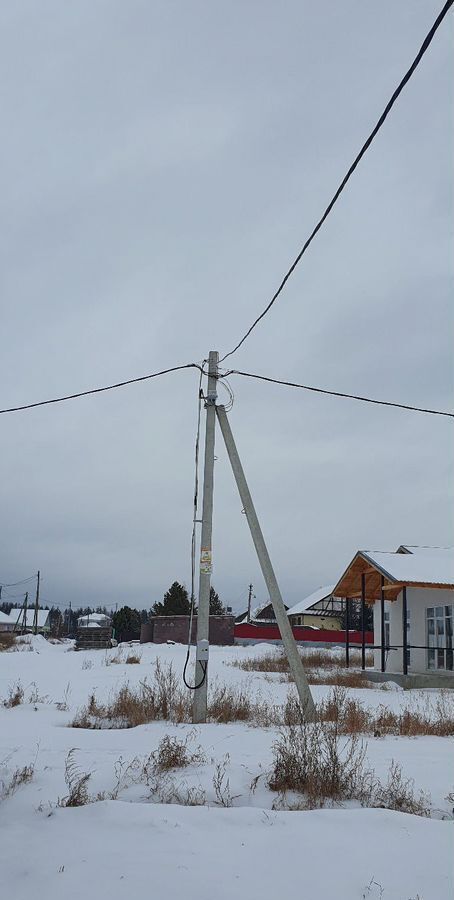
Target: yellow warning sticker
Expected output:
[206,566]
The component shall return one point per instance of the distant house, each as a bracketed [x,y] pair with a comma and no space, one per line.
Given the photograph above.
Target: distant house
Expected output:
[6,622]
[321,609]
[94,620]
[412,594]
[26,617]
[261,615]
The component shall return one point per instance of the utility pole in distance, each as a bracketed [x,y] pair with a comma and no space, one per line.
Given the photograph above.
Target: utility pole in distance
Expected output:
[203,615]
[249,601]
[288,640]
[24,614]
[35,617]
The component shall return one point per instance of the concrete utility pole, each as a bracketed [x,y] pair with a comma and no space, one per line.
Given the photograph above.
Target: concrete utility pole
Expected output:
[35,617]
[24,613]
[203,615]
[249,602]
[291,649]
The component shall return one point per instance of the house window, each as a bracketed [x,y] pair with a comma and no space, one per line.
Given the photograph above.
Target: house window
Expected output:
[439,637]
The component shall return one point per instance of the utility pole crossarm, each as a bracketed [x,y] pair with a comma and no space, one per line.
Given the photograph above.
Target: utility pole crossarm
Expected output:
[288,640]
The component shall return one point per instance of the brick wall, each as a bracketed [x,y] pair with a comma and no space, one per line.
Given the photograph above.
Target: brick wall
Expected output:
[175,628]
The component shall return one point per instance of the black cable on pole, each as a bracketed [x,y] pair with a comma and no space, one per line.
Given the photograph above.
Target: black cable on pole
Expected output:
[317,390]
[424,47]
[195,687]
[100,390]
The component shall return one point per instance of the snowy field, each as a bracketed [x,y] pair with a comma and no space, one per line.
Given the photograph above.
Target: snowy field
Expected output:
[133,845]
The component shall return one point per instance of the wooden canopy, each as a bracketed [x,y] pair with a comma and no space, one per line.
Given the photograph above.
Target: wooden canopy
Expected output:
[349,584]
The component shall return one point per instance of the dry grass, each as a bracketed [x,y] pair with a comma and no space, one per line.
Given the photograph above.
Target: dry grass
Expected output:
[154,772]
[7,640]
[421,717]
[310,760]
[230,704]
[19,777]
[15,696]
[326,768]
[174,753]
[119,659]
[129,707]
[312,659]
[76,783]
[115,660]
[339,678]
[164,699]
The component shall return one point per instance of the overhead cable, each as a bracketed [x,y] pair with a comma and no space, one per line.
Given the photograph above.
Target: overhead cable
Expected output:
[424,47]
[317,390]
[99,390]
[15,583]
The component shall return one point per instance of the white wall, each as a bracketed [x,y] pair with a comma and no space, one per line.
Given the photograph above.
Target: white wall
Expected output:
[418,599]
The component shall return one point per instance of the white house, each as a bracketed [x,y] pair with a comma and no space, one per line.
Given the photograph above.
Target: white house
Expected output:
[6,622]
[26,618]
[412,592]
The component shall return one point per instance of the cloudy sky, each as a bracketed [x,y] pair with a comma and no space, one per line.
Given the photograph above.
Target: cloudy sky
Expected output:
[161,164]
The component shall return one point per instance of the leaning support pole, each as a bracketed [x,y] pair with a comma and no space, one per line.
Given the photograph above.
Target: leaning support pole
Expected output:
[291,649]
[199,712]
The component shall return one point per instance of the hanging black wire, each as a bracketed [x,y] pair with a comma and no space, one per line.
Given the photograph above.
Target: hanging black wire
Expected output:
[195,687]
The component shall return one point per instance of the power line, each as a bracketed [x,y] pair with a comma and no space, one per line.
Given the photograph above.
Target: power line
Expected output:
[424,46]
[317,390]
[99,390]
[15,583]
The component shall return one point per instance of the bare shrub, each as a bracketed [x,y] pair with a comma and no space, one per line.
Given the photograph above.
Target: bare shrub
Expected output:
[174,753]
[87,664]
[35,696]
[348,714]
[165,790]
[19,777]
[63,705]
[115,660]
[7,640]
[76,782]
[15,696]
[423,717]
[325,767]
[129,707]
[310,760]
[221,784]
[154,771]
[230,704]
[399,793]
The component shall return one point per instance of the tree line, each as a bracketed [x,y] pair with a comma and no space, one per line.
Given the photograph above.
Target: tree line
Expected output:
[126,620]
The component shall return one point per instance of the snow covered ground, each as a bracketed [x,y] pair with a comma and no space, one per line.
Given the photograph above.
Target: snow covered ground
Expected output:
[113,847]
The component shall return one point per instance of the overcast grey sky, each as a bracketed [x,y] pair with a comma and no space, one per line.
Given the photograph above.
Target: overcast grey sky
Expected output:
[161,164]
